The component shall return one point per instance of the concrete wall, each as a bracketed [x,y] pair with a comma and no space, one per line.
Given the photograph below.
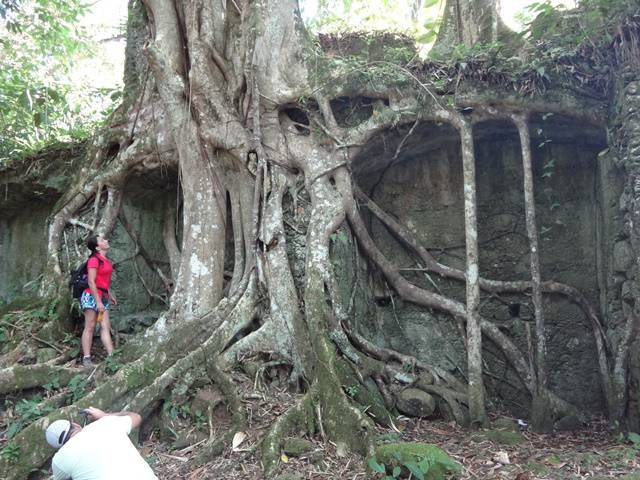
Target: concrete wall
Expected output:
[424,190]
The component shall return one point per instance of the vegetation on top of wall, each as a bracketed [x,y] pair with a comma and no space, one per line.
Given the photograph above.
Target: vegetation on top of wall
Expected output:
[40,105]
[576,48]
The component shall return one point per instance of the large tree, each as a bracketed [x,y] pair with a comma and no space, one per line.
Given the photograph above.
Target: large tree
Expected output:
[249,110]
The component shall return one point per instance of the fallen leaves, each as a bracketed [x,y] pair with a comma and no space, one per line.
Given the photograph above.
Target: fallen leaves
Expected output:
[238,438]
[502,458]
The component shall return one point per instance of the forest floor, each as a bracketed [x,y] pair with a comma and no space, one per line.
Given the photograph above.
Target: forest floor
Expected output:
[590,453]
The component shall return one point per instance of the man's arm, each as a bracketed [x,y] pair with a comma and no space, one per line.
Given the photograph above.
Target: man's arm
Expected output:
[95,413]
[59,474]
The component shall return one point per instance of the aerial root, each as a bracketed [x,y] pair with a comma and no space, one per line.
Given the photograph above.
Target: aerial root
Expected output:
[407,237]
[20,377]
[215,446]
[300,417]
[445,386]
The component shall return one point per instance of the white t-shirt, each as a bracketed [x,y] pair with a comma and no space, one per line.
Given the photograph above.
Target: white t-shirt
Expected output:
[101,451]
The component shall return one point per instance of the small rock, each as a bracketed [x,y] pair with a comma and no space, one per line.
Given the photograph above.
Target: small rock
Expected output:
[570,423]
[135,321]
[45,354]
[505,424]
[189,437]
[288,476]
[415,403]
[503,437]
[424,379]
[251,368]
[205,398]
[623,256]
[294,447]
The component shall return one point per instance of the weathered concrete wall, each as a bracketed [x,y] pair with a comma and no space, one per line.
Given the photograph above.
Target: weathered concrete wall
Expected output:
[23,235]
[624,291]
[144,205]
[22,251]
[424,190]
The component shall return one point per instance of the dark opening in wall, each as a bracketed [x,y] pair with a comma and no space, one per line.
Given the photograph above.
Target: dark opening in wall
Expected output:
[300,118]
[352,111]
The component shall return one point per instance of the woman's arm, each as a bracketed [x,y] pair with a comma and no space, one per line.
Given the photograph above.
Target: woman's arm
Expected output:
[91,280]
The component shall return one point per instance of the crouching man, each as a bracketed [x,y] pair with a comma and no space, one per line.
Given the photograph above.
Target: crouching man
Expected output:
[99,451]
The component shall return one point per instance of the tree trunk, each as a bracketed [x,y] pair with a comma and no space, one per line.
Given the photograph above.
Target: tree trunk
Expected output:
[541,420]
[474,336]
[468,23]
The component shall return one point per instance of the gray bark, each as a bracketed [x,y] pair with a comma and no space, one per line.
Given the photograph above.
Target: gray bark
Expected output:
[540,418]
[477,412]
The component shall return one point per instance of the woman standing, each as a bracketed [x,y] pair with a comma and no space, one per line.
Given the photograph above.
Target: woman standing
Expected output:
[96,299]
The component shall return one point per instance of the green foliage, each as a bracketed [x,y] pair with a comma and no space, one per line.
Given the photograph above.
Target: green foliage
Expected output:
[77,388]
[176,411]
[634,438]
[331,16]
[40,41]
[631,437]
[411,460]
[53,384]
[26,411]
[389,437]
[351,390]
[72,342]
[589,24]
[200,419]
[113,362]
[11,453]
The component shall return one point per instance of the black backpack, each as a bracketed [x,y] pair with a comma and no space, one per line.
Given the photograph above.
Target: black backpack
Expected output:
[79,279]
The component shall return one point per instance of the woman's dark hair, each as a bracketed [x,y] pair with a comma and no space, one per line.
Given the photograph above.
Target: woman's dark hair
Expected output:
[92,244]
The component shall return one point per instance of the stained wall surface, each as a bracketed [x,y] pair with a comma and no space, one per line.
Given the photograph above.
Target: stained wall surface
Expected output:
[423,188]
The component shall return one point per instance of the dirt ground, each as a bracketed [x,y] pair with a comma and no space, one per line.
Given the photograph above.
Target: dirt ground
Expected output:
[590,453]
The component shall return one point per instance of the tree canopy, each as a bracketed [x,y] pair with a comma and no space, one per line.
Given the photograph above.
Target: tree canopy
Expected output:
[42,43]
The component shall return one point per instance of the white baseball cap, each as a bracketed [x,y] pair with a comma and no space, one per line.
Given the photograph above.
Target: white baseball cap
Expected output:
[58,433]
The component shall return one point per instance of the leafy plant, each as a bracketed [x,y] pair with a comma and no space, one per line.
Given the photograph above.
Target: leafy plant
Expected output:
[176,411]
[411,461]
[53,384]
[26,410]
[634,438]
[73,343]
[40,103]
[113,363]
[11,453]
[351,390]
[77,387]
[389,437]
[200,419]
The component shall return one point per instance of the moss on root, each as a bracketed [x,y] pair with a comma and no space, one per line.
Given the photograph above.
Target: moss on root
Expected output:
[299,418]
[364,393]
[436,463]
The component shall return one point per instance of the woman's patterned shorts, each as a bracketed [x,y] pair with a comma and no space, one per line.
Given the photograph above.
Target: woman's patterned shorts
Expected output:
[88,302]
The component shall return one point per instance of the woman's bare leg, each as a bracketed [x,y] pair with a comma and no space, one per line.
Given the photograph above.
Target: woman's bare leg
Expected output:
[105,333]
[87,334]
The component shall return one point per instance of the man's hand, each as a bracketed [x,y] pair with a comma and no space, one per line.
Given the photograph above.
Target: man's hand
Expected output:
[94,413]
